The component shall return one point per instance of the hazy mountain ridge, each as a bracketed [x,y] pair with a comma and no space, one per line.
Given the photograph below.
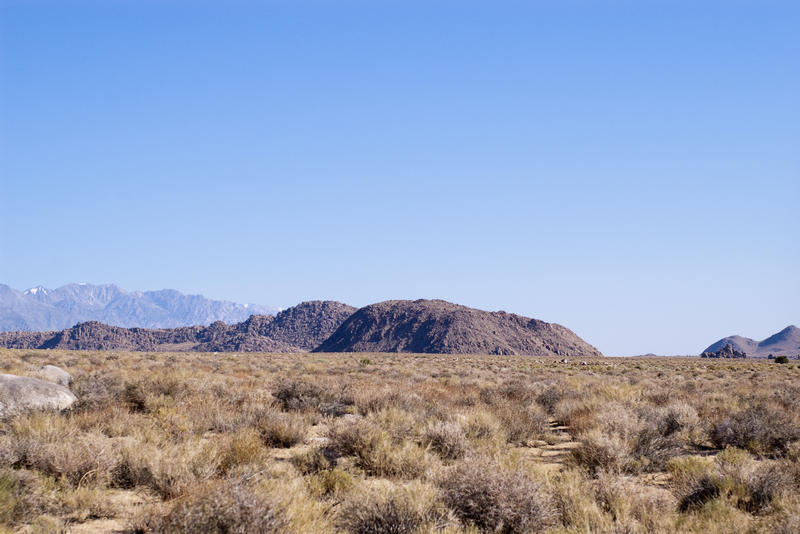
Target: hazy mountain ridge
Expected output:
[437,326]
[42,309]
[784,343]
[291,331]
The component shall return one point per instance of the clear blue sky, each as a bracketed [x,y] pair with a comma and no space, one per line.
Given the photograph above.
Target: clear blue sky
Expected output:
[630,169]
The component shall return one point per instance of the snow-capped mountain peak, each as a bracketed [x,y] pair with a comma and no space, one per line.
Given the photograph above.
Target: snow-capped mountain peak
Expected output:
[38,290]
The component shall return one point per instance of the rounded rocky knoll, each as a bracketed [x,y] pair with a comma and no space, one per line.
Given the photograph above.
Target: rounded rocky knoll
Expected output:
[438,326]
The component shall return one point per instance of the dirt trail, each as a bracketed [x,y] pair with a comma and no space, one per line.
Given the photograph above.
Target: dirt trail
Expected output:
[553,453]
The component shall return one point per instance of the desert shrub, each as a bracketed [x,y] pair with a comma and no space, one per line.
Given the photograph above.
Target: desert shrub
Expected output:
[515,391]
[447,439]
[523,422]
[372,400]
[619,419]
[169,469]
[23,497]
[74,457]
[298,395]
[404,510]
[550,398]
[238,449]
[781,359]
[575,502]
[631,503]
[481,424]
[761,429]
[652,450]
[686,471]
[398,423]
[749,485]
[765,485]
[228,506]
[330,482]
[353,438]
[599,451]
[96,390]
[677,418]
[311,462]
[579,416]
[704,490]
[281,429]
[375,452]
[494,500]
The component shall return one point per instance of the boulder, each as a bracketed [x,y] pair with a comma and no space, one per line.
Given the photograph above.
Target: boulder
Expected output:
[21,393]
[56,375]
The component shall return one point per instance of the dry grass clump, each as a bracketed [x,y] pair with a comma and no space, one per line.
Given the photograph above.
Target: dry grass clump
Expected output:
[299,395]
[281,429]
[24,496]
[448,439]
[218,507]
[375,452]
[492,499]
[523,422]
[634,506]
[734,476]
[394,510]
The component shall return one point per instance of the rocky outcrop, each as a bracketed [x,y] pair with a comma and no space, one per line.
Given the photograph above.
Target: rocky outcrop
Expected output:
[56,375]
[437,326]
[308,324]
[22,393]
[725,352]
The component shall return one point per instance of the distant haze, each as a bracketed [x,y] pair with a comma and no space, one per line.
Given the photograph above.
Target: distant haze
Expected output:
[629,169]
[39,308]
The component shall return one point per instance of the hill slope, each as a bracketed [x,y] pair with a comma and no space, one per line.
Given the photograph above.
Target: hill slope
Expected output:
[303,324]
[784,343]
[39,308]
[437,326]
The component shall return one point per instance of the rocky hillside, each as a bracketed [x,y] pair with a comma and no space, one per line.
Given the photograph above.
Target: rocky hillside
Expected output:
[784,343]
[437,326]
[39,308]
[296,329]
[726,352]
[308,324]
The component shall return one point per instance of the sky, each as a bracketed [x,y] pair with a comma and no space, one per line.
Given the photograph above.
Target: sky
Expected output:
[629,169]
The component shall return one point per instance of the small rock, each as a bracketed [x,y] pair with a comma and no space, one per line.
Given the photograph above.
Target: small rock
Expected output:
[56,375]
[564,361]
[20,393]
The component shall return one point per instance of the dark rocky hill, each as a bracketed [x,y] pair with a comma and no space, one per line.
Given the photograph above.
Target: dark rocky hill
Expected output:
[42,309]
[437,326]
[306,324]
[784,343]
[726,352]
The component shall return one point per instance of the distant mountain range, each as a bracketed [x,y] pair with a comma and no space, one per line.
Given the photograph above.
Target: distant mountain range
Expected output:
[42,309]
[784,343]
[427,326]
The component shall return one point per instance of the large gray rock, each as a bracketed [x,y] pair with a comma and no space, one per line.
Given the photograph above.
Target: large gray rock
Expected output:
[56,375]
[21,393]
